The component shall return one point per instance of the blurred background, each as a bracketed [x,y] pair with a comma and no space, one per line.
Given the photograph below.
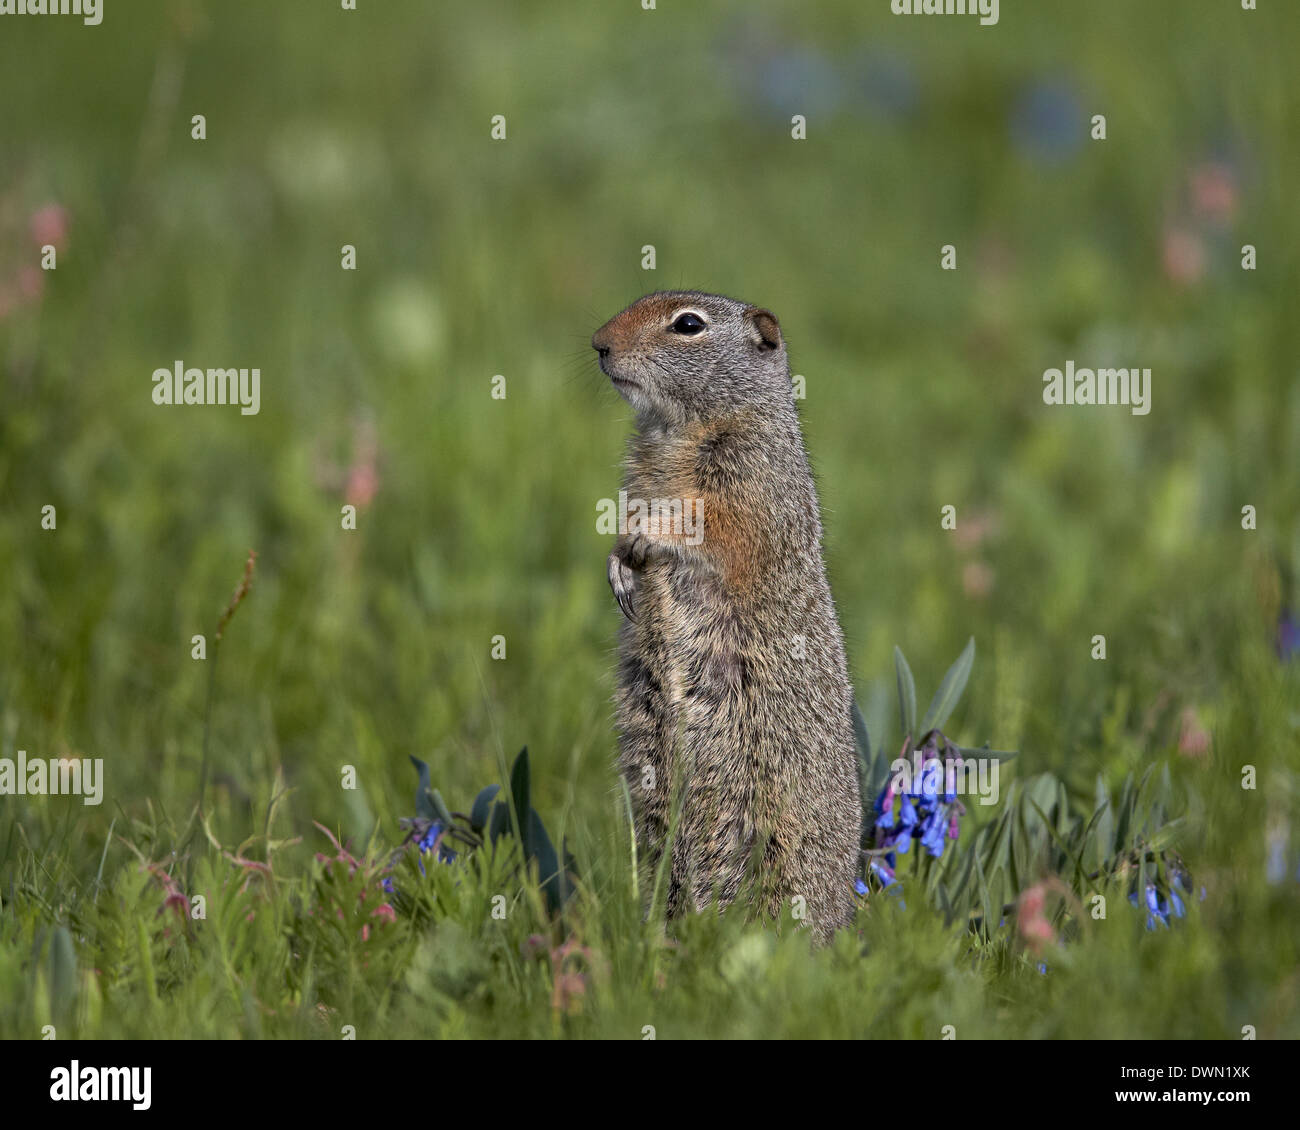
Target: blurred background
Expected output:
[478,257]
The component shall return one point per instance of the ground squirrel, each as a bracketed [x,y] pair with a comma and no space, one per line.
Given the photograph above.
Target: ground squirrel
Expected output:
[733,694]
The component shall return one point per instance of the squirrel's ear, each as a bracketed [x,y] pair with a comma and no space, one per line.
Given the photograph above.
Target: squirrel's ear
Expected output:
[764,329]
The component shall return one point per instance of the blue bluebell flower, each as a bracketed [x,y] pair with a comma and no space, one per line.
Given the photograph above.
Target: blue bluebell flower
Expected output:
[802,76]
[885,801]
[884,873]
[949,785]
[1157,910]
[925,786]
[927,811]
[1047,121]
[1275,867]
[1288,637]
[886,84]
[432,838]
[933,833]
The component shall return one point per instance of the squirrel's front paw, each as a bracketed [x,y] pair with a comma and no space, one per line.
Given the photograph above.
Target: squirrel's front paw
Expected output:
[635,549]
[622,579]
[630,556]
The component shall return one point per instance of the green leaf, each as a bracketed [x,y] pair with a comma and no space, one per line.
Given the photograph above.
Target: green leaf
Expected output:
[1056,839]
[440,806]
[959,891]
[548,863]
[1085,837]
[499,823]
[424,804]
[1124,818]
[869,765]
[1142,883]
[1042,790]
[860,732]
[63,972]
[950,690]
[519,793]
[945,904]
[906,693]
[570,864]
[984,751]
[1166,835]
[1105,824]
[1021,844]
[999,856]
[478,814]
[986,900]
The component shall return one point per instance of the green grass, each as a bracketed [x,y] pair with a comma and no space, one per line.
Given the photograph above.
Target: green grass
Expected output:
[475,258]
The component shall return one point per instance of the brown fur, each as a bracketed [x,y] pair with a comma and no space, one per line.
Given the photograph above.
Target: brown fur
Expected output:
[713,699]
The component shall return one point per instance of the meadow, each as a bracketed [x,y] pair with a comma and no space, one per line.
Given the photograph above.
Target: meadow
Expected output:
[467,614]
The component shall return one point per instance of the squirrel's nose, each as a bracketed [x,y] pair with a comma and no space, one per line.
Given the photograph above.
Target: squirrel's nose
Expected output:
[600,344]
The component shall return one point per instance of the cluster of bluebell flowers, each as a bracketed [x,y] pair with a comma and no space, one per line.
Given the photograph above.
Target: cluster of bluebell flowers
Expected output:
[927,811]
[1159,908]
[428,836]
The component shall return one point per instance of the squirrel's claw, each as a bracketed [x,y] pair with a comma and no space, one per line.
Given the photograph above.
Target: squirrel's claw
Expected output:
[621,582]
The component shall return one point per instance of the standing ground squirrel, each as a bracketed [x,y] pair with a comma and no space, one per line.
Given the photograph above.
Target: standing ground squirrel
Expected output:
[733,694]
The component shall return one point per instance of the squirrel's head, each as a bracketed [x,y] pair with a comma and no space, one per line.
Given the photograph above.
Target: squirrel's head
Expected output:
[682,355]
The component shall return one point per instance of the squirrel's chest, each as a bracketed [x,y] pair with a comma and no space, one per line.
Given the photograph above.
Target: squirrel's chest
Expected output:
[688,632]
[681,586]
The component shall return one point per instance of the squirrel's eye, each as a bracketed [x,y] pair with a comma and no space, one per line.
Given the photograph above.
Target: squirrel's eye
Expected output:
[688,324]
